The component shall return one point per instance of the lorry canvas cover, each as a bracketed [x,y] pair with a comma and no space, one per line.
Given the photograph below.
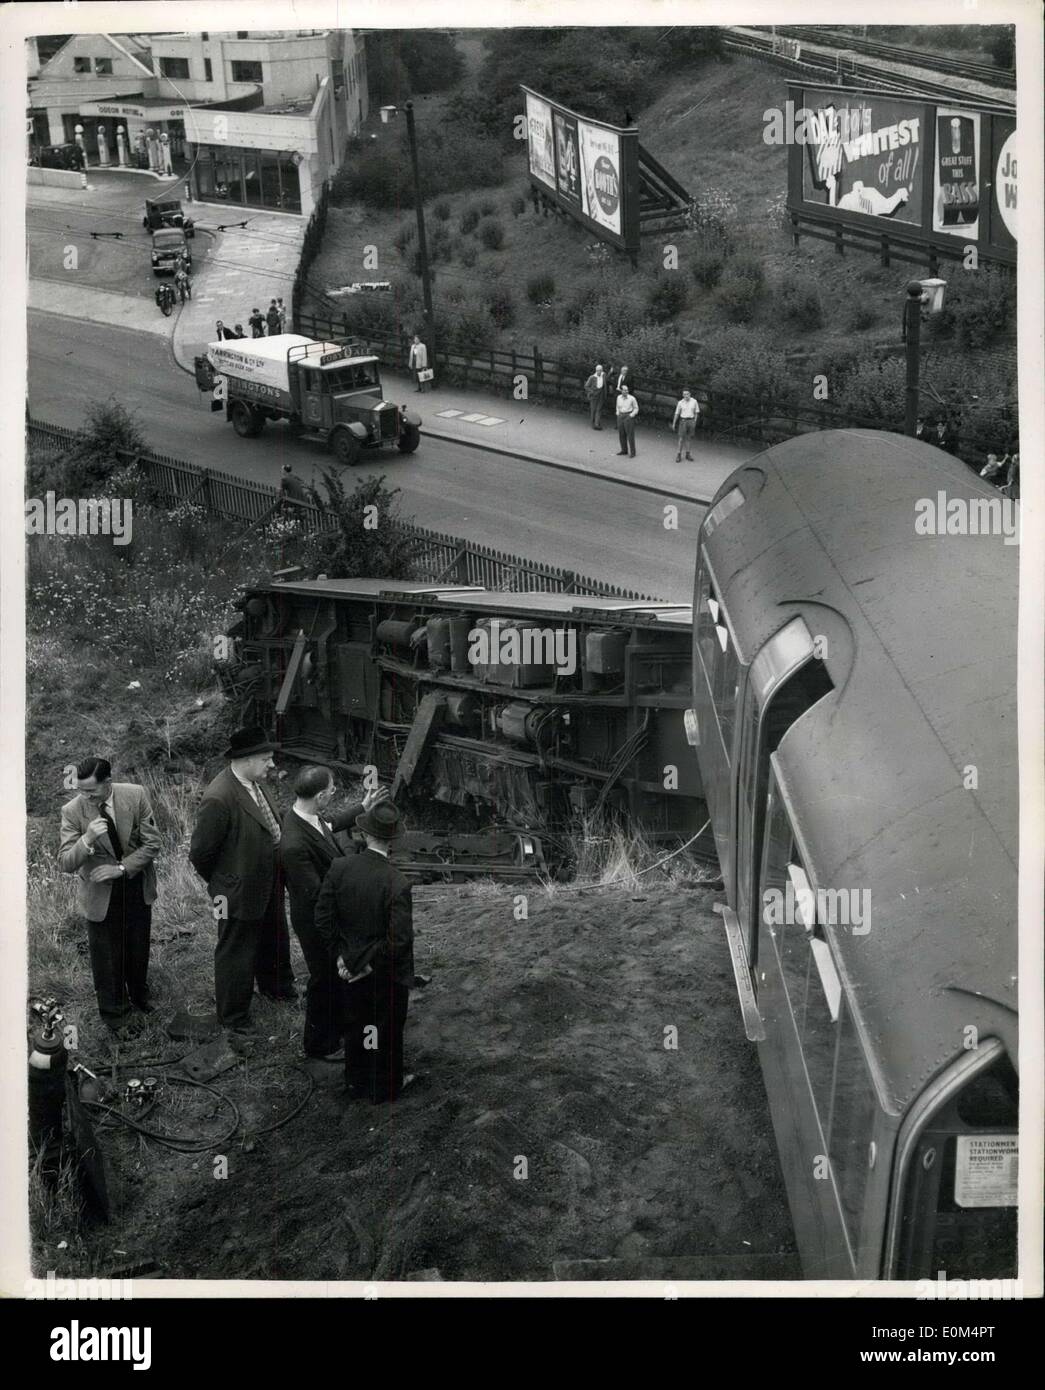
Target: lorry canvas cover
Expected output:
[264,360]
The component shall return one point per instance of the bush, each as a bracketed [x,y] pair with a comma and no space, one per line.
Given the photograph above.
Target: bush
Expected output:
[798,301]
[707,268]
[738,297]
[666,299]
[979,307]
[518,205]
[862,316]
[491,234]
[442,210]
[384,551]
[469,255]
[745,266]
[470,220]
[540,289]
[91,459]
[406,234]
[440,244]
[501,306]
[487,208]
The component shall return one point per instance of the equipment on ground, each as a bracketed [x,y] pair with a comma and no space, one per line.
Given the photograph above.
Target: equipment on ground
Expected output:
[328,392]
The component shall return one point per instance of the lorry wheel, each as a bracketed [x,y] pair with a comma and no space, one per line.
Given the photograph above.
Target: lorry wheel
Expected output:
[346,448]
[245,420]
[409,439]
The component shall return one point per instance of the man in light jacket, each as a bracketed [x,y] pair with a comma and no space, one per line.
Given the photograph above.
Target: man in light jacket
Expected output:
[595,390]
[418,360]
[627,409]
[109,839]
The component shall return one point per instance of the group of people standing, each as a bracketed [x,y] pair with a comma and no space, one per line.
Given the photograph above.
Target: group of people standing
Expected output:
[351,911]
[262,325]
[597,389]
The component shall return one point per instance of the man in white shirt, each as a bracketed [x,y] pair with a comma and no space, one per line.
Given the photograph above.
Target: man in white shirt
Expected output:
[627,409]
[685,422]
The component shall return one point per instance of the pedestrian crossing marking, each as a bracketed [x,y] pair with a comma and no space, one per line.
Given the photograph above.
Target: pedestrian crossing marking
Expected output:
[490,420]
[449,414]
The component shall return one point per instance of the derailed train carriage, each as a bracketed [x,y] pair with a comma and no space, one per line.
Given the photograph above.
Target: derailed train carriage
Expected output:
[503,721]
[855,725]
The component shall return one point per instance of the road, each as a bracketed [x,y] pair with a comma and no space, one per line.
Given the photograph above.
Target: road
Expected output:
[590,525]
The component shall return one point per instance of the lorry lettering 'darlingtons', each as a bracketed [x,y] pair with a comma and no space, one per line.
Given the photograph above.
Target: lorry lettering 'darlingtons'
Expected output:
[329,392]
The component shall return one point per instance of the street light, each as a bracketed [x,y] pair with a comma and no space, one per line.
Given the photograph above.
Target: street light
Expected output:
[927,294]
[387,112]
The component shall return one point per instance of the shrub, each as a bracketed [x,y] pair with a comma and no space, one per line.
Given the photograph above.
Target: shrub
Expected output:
[385,551]
[798,301]
[540,289]
[745,266]
[406,234]
[442,210]
[491,234]
[707,267]
[440,244]
[470,220]
[862,316]
[980,306]
[501,306]
[666,299]
[469,255]
[518,205]
[738,297]
[487,208]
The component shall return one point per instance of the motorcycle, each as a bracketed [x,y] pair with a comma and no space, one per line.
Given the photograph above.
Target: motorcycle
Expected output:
[165,300]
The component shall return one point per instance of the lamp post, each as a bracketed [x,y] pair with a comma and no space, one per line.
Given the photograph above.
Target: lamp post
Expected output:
[422,243]
[930,294]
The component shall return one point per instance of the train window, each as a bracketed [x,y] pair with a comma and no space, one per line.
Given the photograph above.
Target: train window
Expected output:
[722,508]
[718,657]
[853,1111]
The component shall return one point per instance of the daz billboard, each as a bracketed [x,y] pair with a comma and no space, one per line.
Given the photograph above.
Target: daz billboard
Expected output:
[589,168]
[942,176]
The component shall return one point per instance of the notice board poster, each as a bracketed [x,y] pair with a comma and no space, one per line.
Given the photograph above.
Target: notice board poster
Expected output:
[865,155]
[539,135]
[956,174]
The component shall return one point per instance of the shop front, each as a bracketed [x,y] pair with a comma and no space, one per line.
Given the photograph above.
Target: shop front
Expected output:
[250,178]
[149,128]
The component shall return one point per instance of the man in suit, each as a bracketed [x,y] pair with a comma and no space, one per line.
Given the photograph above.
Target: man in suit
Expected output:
[110,841]
[595,390]
[235,849]
[307,849]
[365,912]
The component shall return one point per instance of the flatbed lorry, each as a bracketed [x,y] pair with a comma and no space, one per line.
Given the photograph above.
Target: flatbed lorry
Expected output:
[328,392]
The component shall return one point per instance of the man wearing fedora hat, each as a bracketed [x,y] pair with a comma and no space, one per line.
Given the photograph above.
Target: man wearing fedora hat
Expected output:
[365,912]
[235,849]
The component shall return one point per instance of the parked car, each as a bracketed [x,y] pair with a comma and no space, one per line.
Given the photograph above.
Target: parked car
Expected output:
[59,157]
[169,251]
[166,212]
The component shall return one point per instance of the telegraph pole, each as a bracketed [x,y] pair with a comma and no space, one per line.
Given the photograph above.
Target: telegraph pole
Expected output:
[912,338]
[422,244]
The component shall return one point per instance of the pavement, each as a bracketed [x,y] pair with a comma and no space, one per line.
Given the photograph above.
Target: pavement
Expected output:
[248,266]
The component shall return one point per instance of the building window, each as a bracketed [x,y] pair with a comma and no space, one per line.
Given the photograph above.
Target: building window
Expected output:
[258,178]
[103,66]
[246,71]
[208,74]
[174,67]
[242,34]
[204,36]
[81,65]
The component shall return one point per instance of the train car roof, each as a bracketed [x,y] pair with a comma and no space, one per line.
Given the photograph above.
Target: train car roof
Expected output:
[462,596]
[903,779]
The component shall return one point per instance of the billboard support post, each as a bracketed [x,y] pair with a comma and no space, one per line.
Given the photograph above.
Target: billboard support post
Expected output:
[912,338]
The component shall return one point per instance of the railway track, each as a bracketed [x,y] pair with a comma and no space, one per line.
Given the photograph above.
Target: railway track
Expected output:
[914,57]
[841,65]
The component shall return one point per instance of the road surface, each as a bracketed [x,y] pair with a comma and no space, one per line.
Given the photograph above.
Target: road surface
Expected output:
[590,525]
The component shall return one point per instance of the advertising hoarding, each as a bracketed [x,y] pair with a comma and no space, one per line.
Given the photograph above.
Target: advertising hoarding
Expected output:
[589,168]
[940,176]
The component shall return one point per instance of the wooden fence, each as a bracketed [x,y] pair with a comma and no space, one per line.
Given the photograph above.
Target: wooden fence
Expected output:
[438,557]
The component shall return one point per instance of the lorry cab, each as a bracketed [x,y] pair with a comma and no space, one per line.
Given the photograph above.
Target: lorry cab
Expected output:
[166,212]
[341,386]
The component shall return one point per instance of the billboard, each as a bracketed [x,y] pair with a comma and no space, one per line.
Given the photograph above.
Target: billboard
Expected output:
[940,175]
[587,167]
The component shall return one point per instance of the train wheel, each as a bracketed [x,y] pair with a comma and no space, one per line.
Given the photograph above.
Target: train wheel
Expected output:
[409,439]
[245,420]
[346,448]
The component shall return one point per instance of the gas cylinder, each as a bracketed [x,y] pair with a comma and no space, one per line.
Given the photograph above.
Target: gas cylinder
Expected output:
[48,1060]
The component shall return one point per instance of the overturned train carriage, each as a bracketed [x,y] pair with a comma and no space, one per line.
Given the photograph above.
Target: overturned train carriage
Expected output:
[533,712]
